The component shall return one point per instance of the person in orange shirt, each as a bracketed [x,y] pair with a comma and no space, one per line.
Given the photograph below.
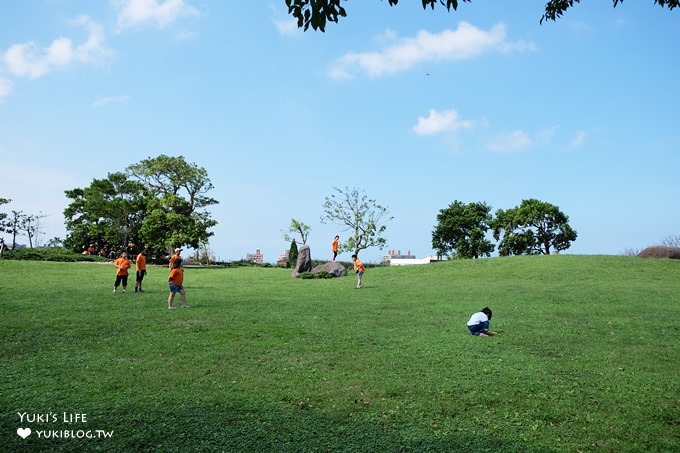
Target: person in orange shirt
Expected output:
[176,255]
[359,269]
[335,246]
[175,281]
[140,266]
[122,265]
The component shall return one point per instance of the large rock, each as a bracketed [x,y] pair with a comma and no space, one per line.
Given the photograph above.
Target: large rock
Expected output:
[304,261]
[660,252]
[332,267]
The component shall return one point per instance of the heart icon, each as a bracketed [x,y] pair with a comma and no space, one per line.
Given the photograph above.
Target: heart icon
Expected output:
[24,432]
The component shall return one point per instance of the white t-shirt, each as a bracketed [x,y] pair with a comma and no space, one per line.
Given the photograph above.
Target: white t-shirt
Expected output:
[477,318]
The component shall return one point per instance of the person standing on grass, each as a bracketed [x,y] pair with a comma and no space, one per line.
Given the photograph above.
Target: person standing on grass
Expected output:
[122,265]
[175,283]
[140,266]
[335,247]
[175,256]
[479,323]
[359,269]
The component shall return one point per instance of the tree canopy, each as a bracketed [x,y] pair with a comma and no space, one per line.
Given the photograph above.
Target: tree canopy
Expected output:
[364,217]
[159,203]
[316,13]
[532,228]
[461,229]
[297,227]
[109,211]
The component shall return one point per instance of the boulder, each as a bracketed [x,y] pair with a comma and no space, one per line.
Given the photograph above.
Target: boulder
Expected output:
[304,261]
[660,252]
[332,267]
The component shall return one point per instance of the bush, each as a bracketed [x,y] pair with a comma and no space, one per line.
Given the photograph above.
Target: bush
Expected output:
[49,254]
[310,275]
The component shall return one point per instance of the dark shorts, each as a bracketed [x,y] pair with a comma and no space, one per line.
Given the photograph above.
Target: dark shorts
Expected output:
[140,275]
[175,288]
[119,279]
[479,328]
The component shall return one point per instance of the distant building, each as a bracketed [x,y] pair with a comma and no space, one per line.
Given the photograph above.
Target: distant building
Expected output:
[395,258]
[396,255]
[284,259]
[256,257]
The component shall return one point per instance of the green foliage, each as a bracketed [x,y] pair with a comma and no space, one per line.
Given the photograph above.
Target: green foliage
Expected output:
[264,362]
[363,217]
[158,204]
[297,227]
[312,275]
[49,254]
[109,212]
[178,213]
[461,229]
[534,227]
[3,215]
[293,253]
[316,13]
[555,8]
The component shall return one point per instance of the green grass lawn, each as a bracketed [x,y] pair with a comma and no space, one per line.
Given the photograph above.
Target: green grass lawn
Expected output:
[587,357]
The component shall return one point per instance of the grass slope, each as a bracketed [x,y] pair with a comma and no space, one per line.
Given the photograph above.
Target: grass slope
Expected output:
[587,358]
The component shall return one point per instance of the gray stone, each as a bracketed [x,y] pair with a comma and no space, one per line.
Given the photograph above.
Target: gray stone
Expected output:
[332,267]
[304,261]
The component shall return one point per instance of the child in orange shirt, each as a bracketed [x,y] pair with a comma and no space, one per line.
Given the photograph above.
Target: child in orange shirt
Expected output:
[122,265]
[359,269]
[175,283]
[140,266]
[335,247]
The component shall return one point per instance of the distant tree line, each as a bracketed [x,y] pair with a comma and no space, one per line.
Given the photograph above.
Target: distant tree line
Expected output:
[19,224]
[532,228]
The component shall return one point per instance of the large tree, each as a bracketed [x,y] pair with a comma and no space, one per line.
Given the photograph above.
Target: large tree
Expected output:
[159,203]
[364,217]
[109,212]
[178,215]
[532,228]
[316,13]
[461,230]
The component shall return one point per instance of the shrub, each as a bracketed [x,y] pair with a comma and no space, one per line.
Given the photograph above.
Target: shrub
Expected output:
[49,254]
[310,275]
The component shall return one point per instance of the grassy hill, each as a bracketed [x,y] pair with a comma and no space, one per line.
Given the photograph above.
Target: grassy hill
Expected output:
[587,357]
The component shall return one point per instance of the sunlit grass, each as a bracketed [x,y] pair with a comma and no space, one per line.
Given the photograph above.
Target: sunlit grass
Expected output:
[586,357]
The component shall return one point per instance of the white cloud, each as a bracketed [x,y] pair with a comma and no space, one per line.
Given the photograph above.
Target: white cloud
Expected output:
[578,140]
[513,141]
[102,101]
[520,140]
[287,27]
[446,121]
[466,42]
[5,87]
[28,60]
[161,13]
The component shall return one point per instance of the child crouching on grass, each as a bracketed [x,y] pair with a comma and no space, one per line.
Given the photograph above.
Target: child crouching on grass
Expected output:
[175,283]
[479,323]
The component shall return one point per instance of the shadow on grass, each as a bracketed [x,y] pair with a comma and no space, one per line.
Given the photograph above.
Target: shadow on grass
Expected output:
[253,427]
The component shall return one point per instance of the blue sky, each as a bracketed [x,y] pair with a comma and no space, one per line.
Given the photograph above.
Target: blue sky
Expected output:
[418,108]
